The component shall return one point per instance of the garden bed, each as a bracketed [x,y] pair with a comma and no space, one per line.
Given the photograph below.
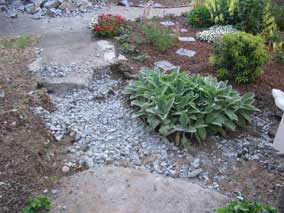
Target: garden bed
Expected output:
[255,173]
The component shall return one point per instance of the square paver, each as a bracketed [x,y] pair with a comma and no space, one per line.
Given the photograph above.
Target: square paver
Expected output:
[165,65]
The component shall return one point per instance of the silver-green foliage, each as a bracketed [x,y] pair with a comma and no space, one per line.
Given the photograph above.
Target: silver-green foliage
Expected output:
[188,106]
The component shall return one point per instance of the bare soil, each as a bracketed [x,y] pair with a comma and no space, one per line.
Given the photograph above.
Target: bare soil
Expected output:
[29,160]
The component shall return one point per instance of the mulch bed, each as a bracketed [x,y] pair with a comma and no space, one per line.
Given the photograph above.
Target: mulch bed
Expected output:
[273,76]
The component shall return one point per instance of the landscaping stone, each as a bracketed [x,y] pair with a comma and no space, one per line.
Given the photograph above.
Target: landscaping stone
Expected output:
[67,6]
[185,52]
[124,3]
[186,39]
[85,5]
[52,4]
[165,65]
[183,30]
[30,8]
[132,190]
[167,23]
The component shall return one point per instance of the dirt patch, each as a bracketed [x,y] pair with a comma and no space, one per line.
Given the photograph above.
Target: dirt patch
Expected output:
[29,160]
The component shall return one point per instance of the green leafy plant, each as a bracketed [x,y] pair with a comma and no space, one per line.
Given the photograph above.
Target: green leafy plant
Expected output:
[278,48]
[199,17]
[184,106]
[246,207]
[239,56]
[19,42]
[36,204]
[161,37]
[277,11]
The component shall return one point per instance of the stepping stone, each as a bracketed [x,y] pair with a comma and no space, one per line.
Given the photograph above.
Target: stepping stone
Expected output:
[167,23]
[120,190]
[165,65]
[183,30]
[186,39]
[185,52]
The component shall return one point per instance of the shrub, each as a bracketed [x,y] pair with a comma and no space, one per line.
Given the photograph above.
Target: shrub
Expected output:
[183,106]
[215,32]
[37,204]
[239,56]
[278,48]
[222,12]
[278,13]
[199,17]
[246,207]
[107,25]
[254,16]
[161,37]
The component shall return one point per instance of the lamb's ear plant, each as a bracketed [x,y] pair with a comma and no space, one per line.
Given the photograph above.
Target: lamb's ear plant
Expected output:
[188,106]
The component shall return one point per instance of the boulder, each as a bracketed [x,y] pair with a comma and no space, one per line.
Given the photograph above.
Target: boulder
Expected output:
[30,8]
[85,5]
[52,4]
[67,6]
[38,3]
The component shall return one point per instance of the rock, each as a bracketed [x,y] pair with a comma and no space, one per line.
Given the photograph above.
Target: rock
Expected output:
[38,3]
[121,58]
[167,23]
[38,14]
[165,65]
[3,8]
[85,5]
[186,39]
[196,163]
[2,2]
[65,169]
[12,14]
[2,93]
[67,6]
[195,173]
[52,4]
[157,5]
[30,8]
[124,3]
[280,201]
[185,52]
[125,70]
[183,30]
[134,191]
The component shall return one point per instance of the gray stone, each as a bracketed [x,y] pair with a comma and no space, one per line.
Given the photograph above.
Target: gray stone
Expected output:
[183,30]
[185,52]
[67,6]
[12,14]
[38,3]
[167,23]
[38,14]
[85,5]
[195,173]
[30,8]
[280,201]
[52,4]
[133,191]
[165,65]
[186,39]
[124,3]
[2,93]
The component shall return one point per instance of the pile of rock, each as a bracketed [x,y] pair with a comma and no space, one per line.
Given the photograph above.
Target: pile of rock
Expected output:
[46,8]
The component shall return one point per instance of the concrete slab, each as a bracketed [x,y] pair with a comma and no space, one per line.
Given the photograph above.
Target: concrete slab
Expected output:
[123,190]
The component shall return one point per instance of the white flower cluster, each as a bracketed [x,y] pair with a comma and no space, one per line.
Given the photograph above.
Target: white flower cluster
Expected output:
[214,32]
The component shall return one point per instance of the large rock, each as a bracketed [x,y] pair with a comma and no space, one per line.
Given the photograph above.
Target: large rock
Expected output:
[67,6]
[38,3]
[85,5]
[30,8]
[52,4]
[122,190]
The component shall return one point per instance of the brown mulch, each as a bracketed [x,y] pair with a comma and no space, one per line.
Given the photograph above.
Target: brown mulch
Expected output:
[29,160]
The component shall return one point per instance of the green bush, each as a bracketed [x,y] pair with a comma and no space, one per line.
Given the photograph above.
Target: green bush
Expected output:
[246,207]
[162,38]
[239,56]
[199,17]
[183,106]
[278,13]
[255,17]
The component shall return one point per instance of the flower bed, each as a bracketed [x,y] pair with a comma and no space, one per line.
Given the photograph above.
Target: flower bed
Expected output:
[107,25]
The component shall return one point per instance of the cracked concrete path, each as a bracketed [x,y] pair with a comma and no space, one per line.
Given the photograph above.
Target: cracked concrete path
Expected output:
[24,24]
[122,190]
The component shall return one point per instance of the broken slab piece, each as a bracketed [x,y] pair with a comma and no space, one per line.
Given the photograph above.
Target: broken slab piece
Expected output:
[167,23]
[278,143]
[185,52]
[186,39]
[165,65]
